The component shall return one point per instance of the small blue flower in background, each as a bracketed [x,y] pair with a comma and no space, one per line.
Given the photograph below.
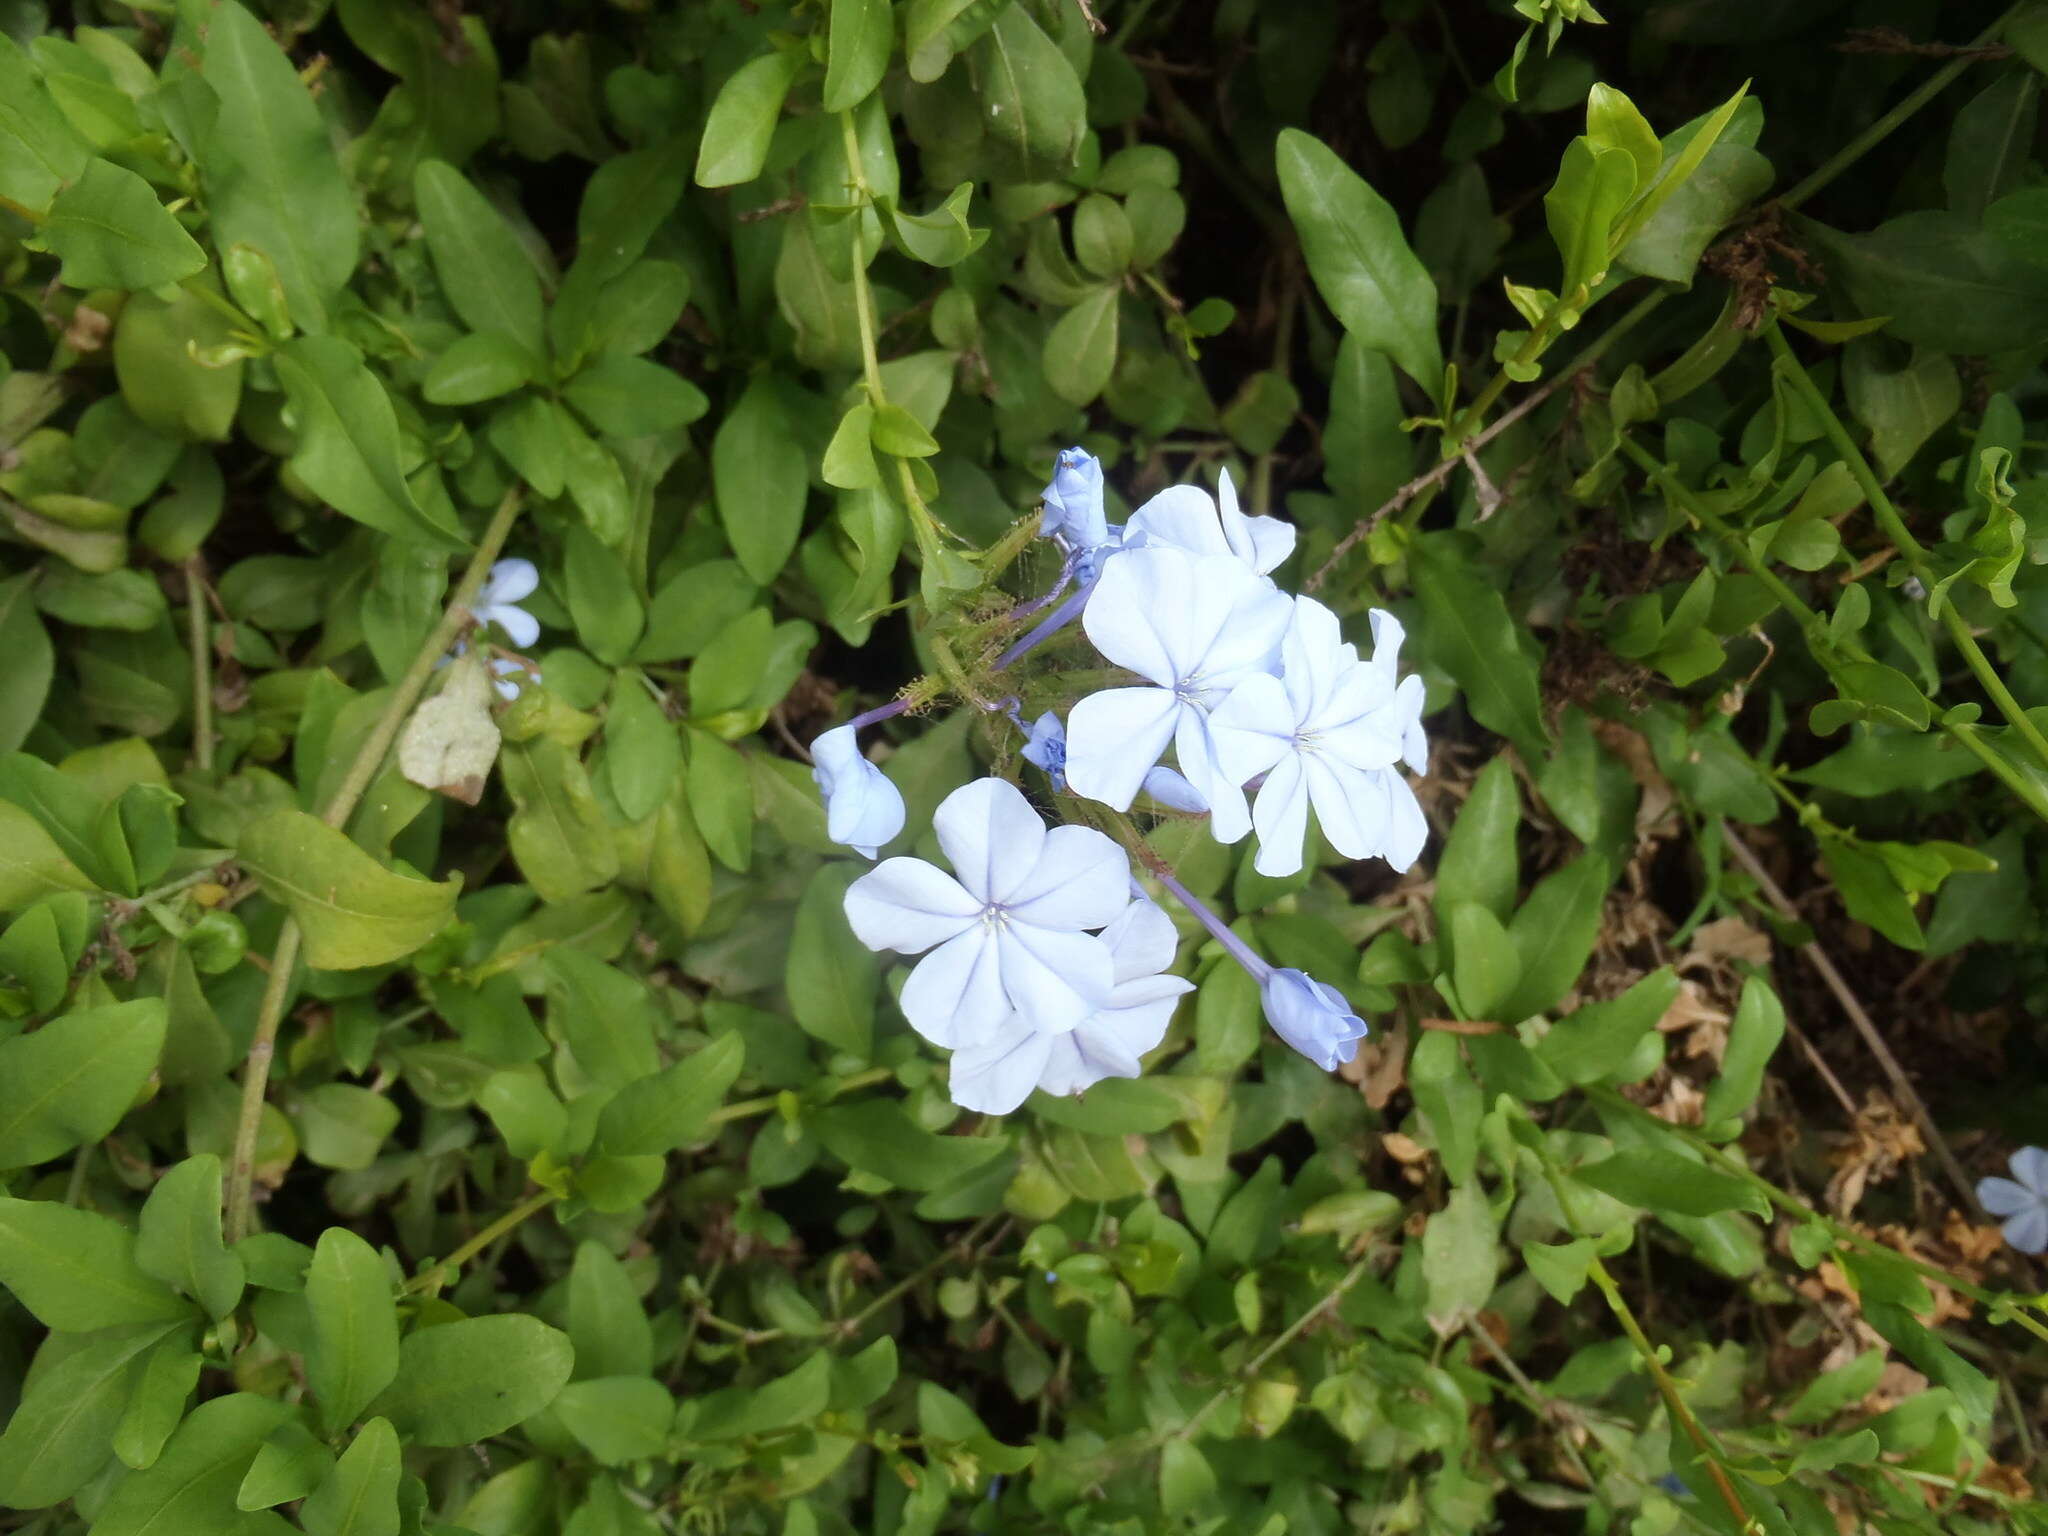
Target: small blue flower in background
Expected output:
[863,809]
[2021,1200]
[1311,1016]
[1194,626]
[1325,732]
[509,581]
[999,1074]
[1007,930]
[1184,517]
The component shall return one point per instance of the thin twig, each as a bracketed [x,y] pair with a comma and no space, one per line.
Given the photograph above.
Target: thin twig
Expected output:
[1257,1362]
[202,666]
[1818,958]
[368,759]
[957,1249]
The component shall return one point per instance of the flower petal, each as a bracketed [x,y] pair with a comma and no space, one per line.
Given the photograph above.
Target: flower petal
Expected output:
[1114,736]
[991,835]
[1281,817]
[998,1075]
[1195,750]
[520,627]
[955,997]
[2002,1197]
[863,809]
[1141,941]
[1125,614]
[1179,517]
[1174,792]
[1407,828]
[1082,880]
[1254,727]
[908,905]
[509,581]
[1055,980]
[2030,1167]
[1387,635]
[2028,1231]
[1352,807]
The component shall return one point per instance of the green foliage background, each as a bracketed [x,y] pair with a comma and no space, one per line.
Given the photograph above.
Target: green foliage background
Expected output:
[378,1162]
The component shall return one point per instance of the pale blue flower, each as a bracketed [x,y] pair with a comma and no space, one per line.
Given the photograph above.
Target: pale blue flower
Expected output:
[999,1074]
[863,809]
[1045,745]
[1387,635]
[1194,626]
[1007,930]
[1073,502]
[1311,1016]
[1184,517]
[1325,733]
[2021,1200]
[509,581]
[1174,792]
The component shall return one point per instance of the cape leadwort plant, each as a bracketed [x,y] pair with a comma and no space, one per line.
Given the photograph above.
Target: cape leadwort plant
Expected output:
[1043,958]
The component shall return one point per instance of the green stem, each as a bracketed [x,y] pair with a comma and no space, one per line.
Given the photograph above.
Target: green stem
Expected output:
[1525,356]
[847,1327]
[368,759]
[1888,124]
[1250,1370]
[1668,1390]
[202,667]
[434,1276]
[768,1102]
[1895,528]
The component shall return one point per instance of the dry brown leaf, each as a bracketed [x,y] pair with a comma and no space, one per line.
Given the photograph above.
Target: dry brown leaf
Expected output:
[1728,939]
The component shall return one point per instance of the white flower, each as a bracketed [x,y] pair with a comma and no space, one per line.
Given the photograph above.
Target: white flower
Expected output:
[1324,733]
[1183,517]
[2022,1200]
[998,1074]
[1387,635]
[1007,930]
[1196,626]
[509,581]
[863,809]
[1311,1016]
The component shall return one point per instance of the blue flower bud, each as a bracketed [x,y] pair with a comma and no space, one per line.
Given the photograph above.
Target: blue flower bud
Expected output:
[1073,502]
[1312,1017]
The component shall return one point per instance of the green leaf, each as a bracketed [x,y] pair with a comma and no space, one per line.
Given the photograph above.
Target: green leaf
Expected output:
[1592,186]
[643,750]
[359,1496]
[759,481]
[111,232]
[557,833]
[607,1018]
[742,119]
[1600,1040]
[1080,349]
[607,615]
[73,816]
[1460,1259]
[72,1080]
[341,1125]
[619,1419]
[32,663]
[898,432]
[1479,862]
[354,912]
[1554,932]
[1657,1180]
[190,1491]
[1450,1101]
[485,274]
[1560,1268]
[1484,964]
[878,1137]
[607,1324]
[831,976]
[271,178]
[625,396]
[157,1401]
[353,1353]
[1361,263]
[466,1381]
[654,1115]
[478,367]
[1035,106]
[39,149]
[1613,122]
[857,51]
[736,1412]
[61,1431]
[1469,633]
[178,1237]
[346,449]
[76,1270]
[1945,283]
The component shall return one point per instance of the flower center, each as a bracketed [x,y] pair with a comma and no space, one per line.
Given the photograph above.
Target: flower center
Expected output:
[1193,689]
[995,916]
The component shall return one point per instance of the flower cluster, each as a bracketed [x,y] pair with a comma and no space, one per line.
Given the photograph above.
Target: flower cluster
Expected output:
[1043,963]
